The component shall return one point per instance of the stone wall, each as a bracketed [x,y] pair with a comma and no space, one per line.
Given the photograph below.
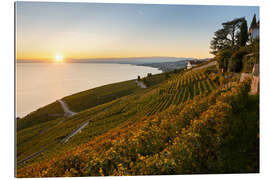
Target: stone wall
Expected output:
[255,85]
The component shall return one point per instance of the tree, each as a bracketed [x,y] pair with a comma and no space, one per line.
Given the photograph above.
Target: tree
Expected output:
[236,61]
[253,22]
[243,34]
[232,27]
[227,36]
[223,58]
[256,49]
[220,41]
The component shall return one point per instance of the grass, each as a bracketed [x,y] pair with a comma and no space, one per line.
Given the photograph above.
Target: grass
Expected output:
[43,114]
[85,100]
[100,95]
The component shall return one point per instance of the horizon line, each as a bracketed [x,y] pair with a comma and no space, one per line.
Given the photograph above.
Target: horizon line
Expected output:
[110,58]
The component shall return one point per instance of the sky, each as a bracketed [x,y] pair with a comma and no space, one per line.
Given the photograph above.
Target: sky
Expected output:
[95,30]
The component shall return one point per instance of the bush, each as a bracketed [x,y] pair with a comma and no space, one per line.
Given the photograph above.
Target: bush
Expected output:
[236,62]
[248,64]
[223,58]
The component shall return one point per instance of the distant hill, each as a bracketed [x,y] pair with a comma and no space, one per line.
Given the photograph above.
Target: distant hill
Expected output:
[130,60]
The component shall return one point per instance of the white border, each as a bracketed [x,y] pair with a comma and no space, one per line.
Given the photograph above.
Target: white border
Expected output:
[7,86]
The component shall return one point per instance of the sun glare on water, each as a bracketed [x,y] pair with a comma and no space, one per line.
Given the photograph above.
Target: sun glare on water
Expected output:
[59,58]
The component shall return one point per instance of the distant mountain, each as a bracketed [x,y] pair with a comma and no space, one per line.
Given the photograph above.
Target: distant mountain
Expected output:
[130,60]
[172,65]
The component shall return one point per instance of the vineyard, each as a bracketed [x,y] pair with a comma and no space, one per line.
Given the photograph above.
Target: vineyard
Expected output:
[178,125]
[179,89]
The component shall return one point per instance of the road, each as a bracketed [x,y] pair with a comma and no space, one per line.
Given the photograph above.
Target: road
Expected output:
[213,63]
[75,132]
[67,111]
[32,155]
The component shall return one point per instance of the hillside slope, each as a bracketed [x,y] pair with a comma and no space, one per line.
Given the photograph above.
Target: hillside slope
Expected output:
[155,130]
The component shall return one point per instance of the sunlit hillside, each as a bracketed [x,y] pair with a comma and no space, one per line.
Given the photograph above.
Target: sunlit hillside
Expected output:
[183,122]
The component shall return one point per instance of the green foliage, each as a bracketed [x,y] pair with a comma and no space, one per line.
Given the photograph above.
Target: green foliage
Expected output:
[229,46]
[44,114]
[232,27]
[223,58]
[243,34]
[236,61]
[253,22]
[185,124]
[219,41]
[100,95]
[227,36]
[248,64]
[201,136]
[143,102]
[253,57]
[256,49]
[152,80]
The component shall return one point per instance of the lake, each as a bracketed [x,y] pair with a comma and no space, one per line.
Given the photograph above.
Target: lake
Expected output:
[38,84]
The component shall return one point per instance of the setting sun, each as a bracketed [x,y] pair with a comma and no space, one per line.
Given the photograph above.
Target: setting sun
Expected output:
[59,58]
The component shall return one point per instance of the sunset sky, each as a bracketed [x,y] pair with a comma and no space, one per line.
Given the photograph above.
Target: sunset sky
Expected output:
[88,30]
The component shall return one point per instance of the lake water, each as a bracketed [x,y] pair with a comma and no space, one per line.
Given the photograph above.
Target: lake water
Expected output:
[38,84]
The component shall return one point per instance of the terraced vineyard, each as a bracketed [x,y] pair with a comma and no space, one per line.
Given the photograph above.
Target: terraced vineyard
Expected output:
[179,89]
[40,129]
[105,116]
[127,134]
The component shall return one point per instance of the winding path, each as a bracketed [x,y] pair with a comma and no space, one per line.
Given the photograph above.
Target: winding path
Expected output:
[75,132]
[67,111]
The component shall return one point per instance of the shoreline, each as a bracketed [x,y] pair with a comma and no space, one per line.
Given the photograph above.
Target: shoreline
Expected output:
[162,66]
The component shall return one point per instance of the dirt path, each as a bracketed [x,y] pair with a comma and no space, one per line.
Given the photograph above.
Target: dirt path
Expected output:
[141,84]
[32,155]
[74,132]
[67,111]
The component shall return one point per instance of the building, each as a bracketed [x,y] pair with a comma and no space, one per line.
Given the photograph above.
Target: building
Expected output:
[254,30]
[192,63]
[189,66]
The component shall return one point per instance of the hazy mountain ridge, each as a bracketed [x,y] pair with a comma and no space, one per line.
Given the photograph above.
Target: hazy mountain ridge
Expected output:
[129,60]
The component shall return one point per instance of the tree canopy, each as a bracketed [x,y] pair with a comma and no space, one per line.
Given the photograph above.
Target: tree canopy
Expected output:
[227,36]
[243,34]
[253,22]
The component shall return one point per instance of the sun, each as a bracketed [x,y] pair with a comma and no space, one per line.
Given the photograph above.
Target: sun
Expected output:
[59,58]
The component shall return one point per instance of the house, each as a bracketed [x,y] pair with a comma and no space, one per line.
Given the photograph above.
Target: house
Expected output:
[193,63]
[254,30]
[189,66]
